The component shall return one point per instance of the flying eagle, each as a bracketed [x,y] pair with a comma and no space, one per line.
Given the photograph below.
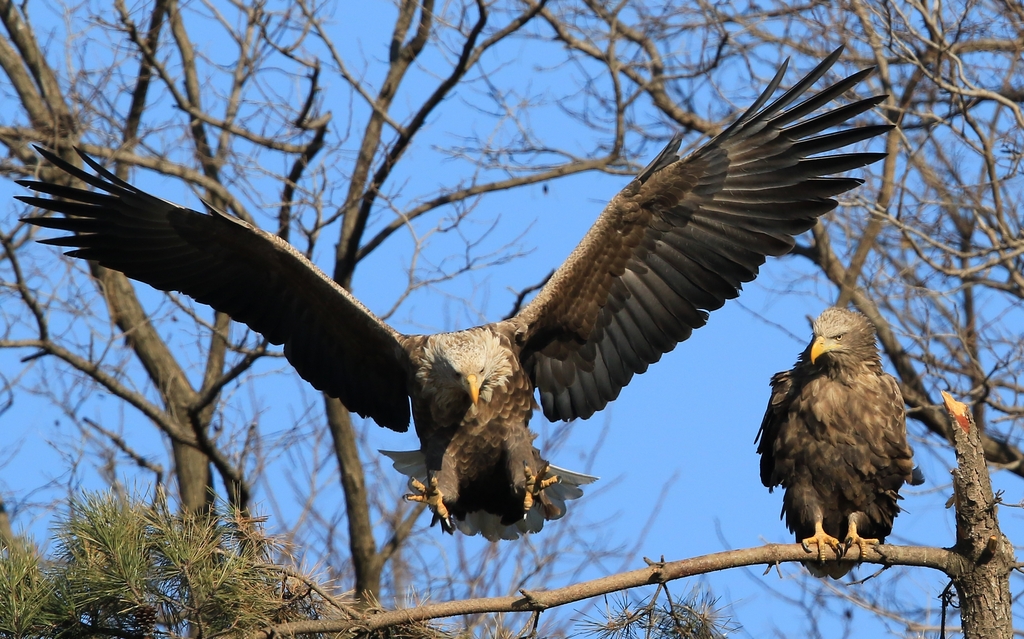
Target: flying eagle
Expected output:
[678,241]
[834,437]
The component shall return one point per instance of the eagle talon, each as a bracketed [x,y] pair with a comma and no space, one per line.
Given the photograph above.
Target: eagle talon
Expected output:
[429,495]
[853,538]
[534,486]
[531,488]
[822,539]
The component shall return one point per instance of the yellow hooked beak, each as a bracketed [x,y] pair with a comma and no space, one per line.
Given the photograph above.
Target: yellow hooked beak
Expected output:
[473,386]
[821,346]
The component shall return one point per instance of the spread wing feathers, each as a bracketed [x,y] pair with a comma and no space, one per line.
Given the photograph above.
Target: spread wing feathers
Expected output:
[332,340]
[682,238]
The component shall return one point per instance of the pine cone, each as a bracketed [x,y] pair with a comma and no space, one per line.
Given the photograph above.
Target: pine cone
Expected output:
[145,619]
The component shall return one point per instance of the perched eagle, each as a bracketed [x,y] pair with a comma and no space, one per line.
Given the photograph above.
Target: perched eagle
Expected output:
[835,438]
[678,241]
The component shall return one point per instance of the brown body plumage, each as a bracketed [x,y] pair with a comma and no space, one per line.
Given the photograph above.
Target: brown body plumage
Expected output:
[677,242]
[834,437]
[476,449]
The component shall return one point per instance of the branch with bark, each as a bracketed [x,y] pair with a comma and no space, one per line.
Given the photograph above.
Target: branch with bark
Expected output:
[769,555]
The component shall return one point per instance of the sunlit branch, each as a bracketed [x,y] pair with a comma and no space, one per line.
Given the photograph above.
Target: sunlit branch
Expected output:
[769,555]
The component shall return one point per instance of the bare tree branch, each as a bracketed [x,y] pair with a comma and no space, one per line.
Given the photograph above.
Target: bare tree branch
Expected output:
[539,600]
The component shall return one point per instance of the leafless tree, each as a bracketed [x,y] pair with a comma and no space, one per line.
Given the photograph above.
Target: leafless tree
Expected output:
[276,114]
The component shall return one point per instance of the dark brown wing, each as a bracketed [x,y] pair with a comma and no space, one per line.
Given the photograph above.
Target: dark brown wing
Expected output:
[332,340]
[881,422]
[774,416]
[681,239]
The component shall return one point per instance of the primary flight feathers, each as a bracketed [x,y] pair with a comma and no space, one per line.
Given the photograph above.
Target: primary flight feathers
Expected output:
[677,242]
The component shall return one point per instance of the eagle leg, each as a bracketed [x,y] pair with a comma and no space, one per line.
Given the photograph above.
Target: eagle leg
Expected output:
[853,538]
[534,486]
[432,497]
[822,539]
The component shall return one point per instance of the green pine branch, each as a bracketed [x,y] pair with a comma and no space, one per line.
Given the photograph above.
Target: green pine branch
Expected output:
[128,569]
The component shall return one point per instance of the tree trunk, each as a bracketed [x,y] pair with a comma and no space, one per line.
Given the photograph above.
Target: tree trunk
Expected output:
[366,562]
[984,588]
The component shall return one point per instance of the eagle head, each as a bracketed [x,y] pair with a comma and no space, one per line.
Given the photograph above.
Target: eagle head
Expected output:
[842,335]
[467,364]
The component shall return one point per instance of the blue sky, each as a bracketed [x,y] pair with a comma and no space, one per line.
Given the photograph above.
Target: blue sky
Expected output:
[679,440]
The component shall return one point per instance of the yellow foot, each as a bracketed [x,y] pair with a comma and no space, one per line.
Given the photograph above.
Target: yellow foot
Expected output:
[534,484]
[430,496]
[853,538]
[822,539]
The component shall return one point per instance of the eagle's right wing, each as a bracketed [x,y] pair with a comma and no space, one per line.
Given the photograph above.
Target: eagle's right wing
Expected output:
[774,417]
[333,341]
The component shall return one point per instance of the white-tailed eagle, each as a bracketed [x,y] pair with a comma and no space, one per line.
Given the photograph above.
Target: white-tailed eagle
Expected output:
[675,243]
[834,437]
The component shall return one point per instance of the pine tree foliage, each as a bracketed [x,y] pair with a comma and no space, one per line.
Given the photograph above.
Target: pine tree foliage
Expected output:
[662,616]
[126,569]
[26,594]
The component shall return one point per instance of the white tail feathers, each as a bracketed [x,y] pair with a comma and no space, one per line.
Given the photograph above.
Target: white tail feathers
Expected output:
[412,464]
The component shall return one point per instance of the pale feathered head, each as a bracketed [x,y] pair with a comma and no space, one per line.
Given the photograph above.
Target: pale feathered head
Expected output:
[842,338]
[471,363]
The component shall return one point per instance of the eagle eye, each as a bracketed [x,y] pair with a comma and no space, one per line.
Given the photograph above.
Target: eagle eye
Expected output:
[839,337]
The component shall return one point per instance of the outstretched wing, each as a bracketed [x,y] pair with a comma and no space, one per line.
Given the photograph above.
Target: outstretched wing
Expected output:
[333,341]
[682,238]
